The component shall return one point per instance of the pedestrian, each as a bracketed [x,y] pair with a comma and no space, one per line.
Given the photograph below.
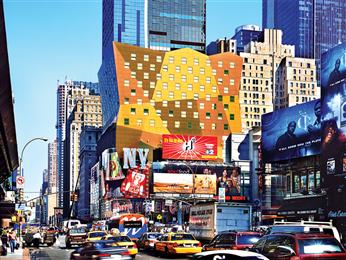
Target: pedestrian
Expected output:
[4,240]
[37,238]
[12,237]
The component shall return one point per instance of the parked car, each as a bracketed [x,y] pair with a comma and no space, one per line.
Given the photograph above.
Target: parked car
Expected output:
[178,243]
[97,250]
[148,240]
[75,236]
[96,235]
[123,241]
[233,240]
[229,255]
[299,246]
[324,227]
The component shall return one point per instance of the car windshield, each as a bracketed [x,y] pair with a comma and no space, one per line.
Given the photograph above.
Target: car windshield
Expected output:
[154,236]
[248,239]
[97,234]
[120,239]
[77,230]
[319,246]
[183,237]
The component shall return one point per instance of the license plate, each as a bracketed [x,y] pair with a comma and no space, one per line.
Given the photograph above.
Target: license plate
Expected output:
[188,245]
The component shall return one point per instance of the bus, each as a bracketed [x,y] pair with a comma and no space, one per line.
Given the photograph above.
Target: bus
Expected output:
[133,225]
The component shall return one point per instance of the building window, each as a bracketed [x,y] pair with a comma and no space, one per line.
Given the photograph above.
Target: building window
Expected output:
[225,127]
[152,67]
[170,113]
[146,111]
[183,78]
[189,125]
[133,74]
[195,114]
[133,111]
[213,126]
[164,123]
[190,70]
[225,106]
[183,95]
[139,101]
[231,117]
[171,94]
[189,87]
[177,86]
[127,65]
[201,105]
[207,97]
[177,69]
[226,72]
[195,96]
[133,56]
[171,59]
[219,81]
[133,92]
[195,79]
[146,75]
[219,116]
[225,90]
[177,124]
[146,57]
[183,114]
[158,112]
[152,102]
[139,122]
[139,66]
[202,71]
[201,125]
[231,99]
[164,103]
[152,122]
[231,82]
[165,68]
[126,121]
[201,88]
[183,60]
[158,59]
[208,80]
[195,61]
[207,115]
[158,76]
[126,101]
[171,77]
[158,94]
[231,65]
[152,84]
[207,62]
[219,64]
[214,89]
[126,83]
[164,85]
[189,104]
[139,83]
[213,71]
[219,97]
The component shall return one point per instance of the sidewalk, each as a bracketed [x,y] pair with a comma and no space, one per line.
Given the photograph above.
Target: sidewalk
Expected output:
[17,255]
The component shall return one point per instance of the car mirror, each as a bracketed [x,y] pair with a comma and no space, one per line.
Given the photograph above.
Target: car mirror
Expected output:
[285,251]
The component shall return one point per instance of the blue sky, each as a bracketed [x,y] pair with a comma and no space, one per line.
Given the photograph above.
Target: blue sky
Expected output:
[49,40]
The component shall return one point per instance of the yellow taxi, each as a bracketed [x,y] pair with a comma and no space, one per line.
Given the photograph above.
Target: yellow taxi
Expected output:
[178,243]
[96,235]
[123,241]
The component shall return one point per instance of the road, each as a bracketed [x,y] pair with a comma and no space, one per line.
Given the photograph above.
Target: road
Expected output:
[58,251]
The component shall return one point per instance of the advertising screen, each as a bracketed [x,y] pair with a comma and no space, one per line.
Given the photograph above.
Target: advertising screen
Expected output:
[184,147]
[204,184]
[333,79]
[173,183]
[292,132]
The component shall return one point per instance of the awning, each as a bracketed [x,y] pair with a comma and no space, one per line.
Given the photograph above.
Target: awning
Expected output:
[302,206]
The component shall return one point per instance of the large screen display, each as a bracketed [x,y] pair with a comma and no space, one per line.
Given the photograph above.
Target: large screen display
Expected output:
[333,155]
[292,132]
[173,183]
[184,147]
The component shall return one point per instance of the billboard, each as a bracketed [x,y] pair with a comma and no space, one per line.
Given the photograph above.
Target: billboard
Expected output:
[204,184]
[173,183]
[292,132]
[136,183]
[184,147]
[333,144]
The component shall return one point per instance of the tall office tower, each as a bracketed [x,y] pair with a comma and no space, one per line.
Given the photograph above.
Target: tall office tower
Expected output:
[86,112]
[67,93]
[313,26]
[245,34]
[156,24]
[52,167]
[273,77]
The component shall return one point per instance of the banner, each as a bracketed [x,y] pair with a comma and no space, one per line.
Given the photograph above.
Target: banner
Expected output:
[111,165]
[204,184]
[173,183]
[136,183]
[184,147]
[292,132]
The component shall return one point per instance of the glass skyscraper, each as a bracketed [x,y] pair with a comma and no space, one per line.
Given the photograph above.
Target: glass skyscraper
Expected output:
[156,24]
[313,26]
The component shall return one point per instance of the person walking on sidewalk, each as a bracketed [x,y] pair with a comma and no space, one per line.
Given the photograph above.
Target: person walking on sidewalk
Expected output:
[4,240]
[13,240]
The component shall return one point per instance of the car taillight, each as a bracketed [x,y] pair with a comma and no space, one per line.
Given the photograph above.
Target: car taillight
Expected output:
[199,244]
[125,253]
[234,247]
[104,255]
[134,246]
[294,258]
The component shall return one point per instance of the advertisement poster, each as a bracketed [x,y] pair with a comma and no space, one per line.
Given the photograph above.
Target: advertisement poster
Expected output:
[136,183]
[173,183]
[183,147]
[292,132]
[204,184]
[111,165]
[333,81]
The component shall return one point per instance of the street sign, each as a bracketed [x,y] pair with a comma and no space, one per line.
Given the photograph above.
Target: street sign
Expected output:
[168,202]
[159,217]
[20,182]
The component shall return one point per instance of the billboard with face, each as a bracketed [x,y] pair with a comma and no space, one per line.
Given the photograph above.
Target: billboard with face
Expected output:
[333,79]
[292,132]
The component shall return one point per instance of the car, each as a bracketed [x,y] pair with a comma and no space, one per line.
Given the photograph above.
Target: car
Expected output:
[299,246]
[233,240]
[148,240]
[123,241]
[75,236]
[178,243]
[97,250]
[96,235]
[229,255]
[304,226]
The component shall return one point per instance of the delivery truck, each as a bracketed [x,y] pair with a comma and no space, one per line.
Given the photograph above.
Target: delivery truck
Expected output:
[208,219]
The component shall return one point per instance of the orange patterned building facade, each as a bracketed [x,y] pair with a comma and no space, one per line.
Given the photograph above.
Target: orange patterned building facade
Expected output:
[177,92]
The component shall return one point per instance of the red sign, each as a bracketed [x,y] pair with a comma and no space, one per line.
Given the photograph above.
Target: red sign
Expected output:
[136,183]
[184,147]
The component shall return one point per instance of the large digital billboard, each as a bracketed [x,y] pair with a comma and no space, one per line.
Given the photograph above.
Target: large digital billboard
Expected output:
[173,183]
[184,147]
[292,132]
[333,79]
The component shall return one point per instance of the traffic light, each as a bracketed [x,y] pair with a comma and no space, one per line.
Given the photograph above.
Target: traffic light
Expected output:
[21,195]
[74,196]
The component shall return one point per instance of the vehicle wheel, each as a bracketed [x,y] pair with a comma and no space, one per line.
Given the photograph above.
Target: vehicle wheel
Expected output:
[133,256]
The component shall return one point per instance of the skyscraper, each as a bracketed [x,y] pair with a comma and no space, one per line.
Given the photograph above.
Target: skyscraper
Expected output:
[52,167]
[156,24]
[313,26]
[67,95]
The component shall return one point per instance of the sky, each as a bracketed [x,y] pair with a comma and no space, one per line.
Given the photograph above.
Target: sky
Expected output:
[49,40]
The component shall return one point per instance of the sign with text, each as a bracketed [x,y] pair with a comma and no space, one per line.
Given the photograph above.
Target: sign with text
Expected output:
[173,183]
[185,147]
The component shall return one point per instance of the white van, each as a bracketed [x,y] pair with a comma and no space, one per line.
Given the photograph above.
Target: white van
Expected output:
[68,224]
[303,226]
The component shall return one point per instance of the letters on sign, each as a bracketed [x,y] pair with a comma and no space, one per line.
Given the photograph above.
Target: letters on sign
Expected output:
[130,155]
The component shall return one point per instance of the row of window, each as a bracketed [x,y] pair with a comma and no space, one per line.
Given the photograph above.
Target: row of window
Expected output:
[177,103]
[177,124]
